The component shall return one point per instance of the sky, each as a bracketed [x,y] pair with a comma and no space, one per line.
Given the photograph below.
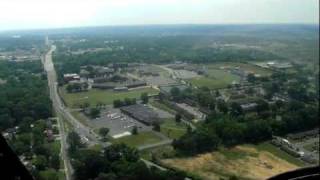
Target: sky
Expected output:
[35,14]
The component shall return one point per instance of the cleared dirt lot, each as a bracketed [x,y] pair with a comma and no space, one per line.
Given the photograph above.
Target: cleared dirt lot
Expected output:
[244,161]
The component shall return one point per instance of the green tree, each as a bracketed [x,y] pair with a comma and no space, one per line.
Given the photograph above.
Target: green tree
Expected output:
[40,162]
[175,93]
[104,132]
[134,130]
[251,78]
[222,107]
[74,142]
[236,109]
[117,103]
[94,112]
[178,118]
[144,98]
[156,126]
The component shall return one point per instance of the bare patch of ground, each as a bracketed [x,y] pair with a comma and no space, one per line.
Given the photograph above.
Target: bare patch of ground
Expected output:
[242,161]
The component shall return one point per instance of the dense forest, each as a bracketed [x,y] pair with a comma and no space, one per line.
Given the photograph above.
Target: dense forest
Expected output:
[24,95]
[24,111]
[27,43]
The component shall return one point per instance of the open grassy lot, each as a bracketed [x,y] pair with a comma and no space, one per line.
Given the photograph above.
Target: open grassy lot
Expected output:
[141,138]
[216,79]
[161,152]
[245,161]
[105,96]
[172,129]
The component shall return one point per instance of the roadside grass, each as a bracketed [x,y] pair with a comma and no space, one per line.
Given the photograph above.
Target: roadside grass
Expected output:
[267,146]
[95,96]
[80,117]
[142,138]
[216,79]
[172,129]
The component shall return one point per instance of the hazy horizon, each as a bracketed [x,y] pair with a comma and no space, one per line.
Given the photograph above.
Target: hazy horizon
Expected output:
[45,14]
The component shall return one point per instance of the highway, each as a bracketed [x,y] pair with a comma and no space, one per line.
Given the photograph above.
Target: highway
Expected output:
[64,114]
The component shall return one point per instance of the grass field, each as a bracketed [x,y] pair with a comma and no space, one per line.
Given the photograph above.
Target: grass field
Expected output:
[216,79]
[245,161]
[105,96]
[173,130]
[141,138]
[266,146]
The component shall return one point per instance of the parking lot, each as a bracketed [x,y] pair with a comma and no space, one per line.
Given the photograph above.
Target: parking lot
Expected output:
[185,74]
[117,122]
[159,80]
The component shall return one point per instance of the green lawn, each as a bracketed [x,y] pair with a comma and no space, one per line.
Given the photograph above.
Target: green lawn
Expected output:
[216,79]
[166,151]
[266,146]
[141,138]
[105,96]
[172,129]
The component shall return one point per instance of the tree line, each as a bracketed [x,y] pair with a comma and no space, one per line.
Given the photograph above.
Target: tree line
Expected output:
[117,161]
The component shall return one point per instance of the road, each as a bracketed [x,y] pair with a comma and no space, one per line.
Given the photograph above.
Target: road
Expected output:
[64,114]
[48,66]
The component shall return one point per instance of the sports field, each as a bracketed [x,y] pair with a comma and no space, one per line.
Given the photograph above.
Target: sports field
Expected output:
[95,96]
[216,79]
[246,162]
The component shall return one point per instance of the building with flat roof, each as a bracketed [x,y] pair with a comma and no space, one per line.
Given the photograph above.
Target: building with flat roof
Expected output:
[141,113]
